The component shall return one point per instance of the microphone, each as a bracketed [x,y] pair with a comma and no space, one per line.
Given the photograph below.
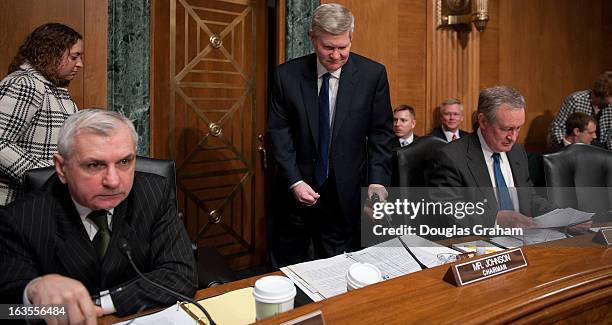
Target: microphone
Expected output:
[124,246]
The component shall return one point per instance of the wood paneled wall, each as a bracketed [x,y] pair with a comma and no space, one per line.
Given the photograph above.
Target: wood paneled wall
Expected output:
[544,48]
[394,33]
[89,17]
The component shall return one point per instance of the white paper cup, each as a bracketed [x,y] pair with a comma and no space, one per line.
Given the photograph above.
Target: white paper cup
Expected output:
[273,294]
[360,275]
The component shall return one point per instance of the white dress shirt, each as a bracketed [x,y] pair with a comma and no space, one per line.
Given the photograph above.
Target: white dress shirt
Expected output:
[406,140]
[334,81]
[449,134]
[505,169]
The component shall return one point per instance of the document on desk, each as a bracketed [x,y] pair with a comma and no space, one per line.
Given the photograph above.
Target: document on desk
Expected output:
[325,278]
[530,237]
[562,218]
[218,307]
[428,252]
[173,315]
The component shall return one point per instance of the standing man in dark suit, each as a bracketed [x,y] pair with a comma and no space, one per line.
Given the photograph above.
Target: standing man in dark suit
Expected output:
[404,121]
[330,124]
[451,116]
[62,244]
[491,161]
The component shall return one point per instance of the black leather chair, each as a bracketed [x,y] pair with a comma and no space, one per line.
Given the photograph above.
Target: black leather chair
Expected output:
[580,176]
[212,268]
[410,167]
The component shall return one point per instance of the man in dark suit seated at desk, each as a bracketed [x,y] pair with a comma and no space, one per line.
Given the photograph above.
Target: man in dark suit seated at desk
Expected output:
[62,244]
[491,163]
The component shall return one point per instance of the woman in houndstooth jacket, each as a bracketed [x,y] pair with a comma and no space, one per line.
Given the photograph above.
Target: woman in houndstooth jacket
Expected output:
[34,102]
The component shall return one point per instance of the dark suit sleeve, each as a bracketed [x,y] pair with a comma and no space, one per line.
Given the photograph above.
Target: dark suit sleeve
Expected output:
[171,261]
[380,136]
[447,184]
[280,130]
[537,204]
[18,267]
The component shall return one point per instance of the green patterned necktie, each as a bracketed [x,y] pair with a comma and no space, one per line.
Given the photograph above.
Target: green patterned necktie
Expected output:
[103,236]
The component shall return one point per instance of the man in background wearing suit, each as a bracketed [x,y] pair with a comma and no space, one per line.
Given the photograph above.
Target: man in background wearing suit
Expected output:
[330,124]
[61,244]
[451,116]
[491,161]
[579,128]
[404,121]
[596,102]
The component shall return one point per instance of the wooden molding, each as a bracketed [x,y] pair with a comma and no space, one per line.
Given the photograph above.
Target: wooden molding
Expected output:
[453,68]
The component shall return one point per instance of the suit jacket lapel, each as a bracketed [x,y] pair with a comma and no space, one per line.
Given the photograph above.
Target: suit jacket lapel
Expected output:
[73,247]
[523,189]
[478,168]
[310,96]
[348,78]
[114,255]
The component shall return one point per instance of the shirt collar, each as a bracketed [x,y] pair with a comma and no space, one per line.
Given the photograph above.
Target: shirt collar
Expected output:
[485,147]
[321,71]
[84,211]
[408,138]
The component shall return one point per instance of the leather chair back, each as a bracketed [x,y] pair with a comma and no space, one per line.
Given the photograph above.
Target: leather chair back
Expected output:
[580,176]
[410,168]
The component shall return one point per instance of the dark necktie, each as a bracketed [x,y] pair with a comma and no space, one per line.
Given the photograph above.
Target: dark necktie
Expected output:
[322,165]
[103,236]
[503,195]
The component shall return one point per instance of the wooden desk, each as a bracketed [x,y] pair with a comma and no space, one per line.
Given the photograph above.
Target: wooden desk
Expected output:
[566,281]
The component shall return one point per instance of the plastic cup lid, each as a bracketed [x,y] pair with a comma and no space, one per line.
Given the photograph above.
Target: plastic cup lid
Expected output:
[362,274]
[274,289]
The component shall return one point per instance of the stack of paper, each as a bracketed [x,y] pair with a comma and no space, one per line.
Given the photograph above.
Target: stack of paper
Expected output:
[326,278]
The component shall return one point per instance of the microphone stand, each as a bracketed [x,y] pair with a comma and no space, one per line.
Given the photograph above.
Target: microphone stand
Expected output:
[376,199]
[125,248]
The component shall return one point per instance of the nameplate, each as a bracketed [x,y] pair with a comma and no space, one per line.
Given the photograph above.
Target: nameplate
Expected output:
[314,318]
[604,237]
[486,267]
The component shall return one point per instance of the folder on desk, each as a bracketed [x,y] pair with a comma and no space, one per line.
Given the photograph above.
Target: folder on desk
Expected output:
[217,307]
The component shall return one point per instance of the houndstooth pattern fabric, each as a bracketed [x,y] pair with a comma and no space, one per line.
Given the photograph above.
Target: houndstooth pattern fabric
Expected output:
[580,101]
[32,110]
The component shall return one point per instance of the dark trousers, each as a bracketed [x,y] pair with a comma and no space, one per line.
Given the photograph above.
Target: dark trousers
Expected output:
[323,225]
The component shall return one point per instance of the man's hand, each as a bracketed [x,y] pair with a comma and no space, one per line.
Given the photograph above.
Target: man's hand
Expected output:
[581,228]
[513,219]
[54,289]
[380,190]
[304,194]
[382,194]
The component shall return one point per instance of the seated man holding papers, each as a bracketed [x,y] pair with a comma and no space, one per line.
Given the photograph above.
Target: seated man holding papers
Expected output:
[491,164]
[62,245]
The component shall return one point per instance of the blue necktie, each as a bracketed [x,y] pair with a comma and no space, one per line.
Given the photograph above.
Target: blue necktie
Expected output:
[322,165]
[503,195]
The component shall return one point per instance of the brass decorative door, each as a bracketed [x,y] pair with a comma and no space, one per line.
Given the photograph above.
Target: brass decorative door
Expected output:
[214,113]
